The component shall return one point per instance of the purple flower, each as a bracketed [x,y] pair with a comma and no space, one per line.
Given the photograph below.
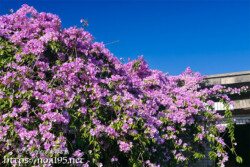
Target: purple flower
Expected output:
[114,159]
[78,153]
[85,23]
[124,147]
[47,146]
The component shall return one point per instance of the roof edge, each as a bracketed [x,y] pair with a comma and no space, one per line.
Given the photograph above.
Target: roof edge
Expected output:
[228,74]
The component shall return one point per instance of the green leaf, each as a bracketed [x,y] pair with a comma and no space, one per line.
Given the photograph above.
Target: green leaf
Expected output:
[32,149]
[199,155]
[1,52]
[57,146]
[239,159]
[10,101]
[212,155]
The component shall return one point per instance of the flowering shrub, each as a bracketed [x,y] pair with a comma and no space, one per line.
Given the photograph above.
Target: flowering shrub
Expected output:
[61,91]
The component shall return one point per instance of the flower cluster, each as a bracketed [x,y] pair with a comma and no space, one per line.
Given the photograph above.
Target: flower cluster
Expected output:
[60,90]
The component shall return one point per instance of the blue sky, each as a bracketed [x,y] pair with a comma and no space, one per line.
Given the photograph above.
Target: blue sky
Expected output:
[210,36]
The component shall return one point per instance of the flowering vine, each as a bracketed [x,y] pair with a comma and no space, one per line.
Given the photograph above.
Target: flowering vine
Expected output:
[61,91]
